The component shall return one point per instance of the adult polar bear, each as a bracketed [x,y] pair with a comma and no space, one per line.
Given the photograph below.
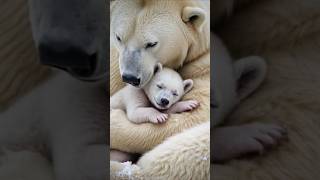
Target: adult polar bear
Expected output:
[180,34]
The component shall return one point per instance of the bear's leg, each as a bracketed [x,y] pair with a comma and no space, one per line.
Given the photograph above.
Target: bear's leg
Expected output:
[234,141]
[146,114]
[183,106]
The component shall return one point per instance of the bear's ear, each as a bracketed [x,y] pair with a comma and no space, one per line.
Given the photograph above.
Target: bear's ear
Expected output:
[187,85]
[195,16]
[249,72]
[157,68]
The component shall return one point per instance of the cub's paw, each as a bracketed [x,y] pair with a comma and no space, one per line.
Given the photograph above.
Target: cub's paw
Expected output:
[189,105]
[184,106]
[235,141]
[158,117]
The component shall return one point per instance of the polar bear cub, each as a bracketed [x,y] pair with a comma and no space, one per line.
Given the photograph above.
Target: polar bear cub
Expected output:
[157,99]
[234,81]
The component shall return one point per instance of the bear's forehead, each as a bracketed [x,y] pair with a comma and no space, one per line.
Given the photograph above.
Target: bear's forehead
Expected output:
[145,24]
[146,12]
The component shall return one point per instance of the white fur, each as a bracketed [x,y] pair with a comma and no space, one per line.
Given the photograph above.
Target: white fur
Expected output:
[164,163]
[183,42]
[223,89]
[173,159]
[233,81]
[67,117]
[229,85]
[172,40]
[143,105]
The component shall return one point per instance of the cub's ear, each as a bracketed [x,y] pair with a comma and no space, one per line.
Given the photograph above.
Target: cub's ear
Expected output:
[194,15]
[250,73]
[187,85]
[157,68]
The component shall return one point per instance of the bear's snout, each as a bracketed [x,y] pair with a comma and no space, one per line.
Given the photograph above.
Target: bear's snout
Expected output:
[131,79]
[68,56]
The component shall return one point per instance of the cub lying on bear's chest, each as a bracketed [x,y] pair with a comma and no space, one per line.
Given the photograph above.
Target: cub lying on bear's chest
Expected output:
[163,92]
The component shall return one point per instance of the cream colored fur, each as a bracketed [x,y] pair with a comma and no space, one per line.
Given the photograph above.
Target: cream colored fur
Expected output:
[286,34]
[33,166]
[169,160]
[145,104]
[130,137]
[183,156]
[288,40]
[19,68]
[20,71]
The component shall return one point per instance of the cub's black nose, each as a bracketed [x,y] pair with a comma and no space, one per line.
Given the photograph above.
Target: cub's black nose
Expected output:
[130,79]
[67,56]
[164,101]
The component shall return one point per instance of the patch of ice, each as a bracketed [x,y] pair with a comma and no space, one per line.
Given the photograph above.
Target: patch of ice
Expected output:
[126,171]
[204,158]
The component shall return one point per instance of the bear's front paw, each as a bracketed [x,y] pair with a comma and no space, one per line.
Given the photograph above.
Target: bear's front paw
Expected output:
[158,118]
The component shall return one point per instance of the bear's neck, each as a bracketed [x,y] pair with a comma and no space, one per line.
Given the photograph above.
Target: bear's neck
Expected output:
[197,49]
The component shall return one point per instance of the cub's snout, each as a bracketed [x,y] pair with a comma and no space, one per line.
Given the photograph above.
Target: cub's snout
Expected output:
[164,101]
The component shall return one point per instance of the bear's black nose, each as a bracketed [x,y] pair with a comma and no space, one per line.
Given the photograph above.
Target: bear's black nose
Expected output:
[67,56]
[164,101]
[130,79]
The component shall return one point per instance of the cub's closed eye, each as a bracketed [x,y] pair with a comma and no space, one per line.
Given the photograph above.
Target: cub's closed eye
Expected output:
[159,86]
[175,94]
[118,38]
[151,45]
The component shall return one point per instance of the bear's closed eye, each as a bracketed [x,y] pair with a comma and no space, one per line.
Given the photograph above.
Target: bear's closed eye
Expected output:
[151,44]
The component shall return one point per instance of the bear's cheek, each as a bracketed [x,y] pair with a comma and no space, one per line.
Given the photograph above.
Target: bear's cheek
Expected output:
[172,54]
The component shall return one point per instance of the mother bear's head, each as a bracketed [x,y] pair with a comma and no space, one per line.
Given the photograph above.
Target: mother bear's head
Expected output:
[149,31]
[72,35]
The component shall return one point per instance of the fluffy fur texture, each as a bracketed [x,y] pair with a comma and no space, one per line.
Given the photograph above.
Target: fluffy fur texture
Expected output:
[19,68]
[168,160]
[130,137]
[172,159]
[33,166]
[20,72]
[233,81]
[288,40]
[25,165]
[287,35]
[148,104]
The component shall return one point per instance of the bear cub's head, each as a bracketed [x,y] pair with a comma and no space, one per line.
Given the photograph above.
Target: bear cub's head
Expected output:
[166,87]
